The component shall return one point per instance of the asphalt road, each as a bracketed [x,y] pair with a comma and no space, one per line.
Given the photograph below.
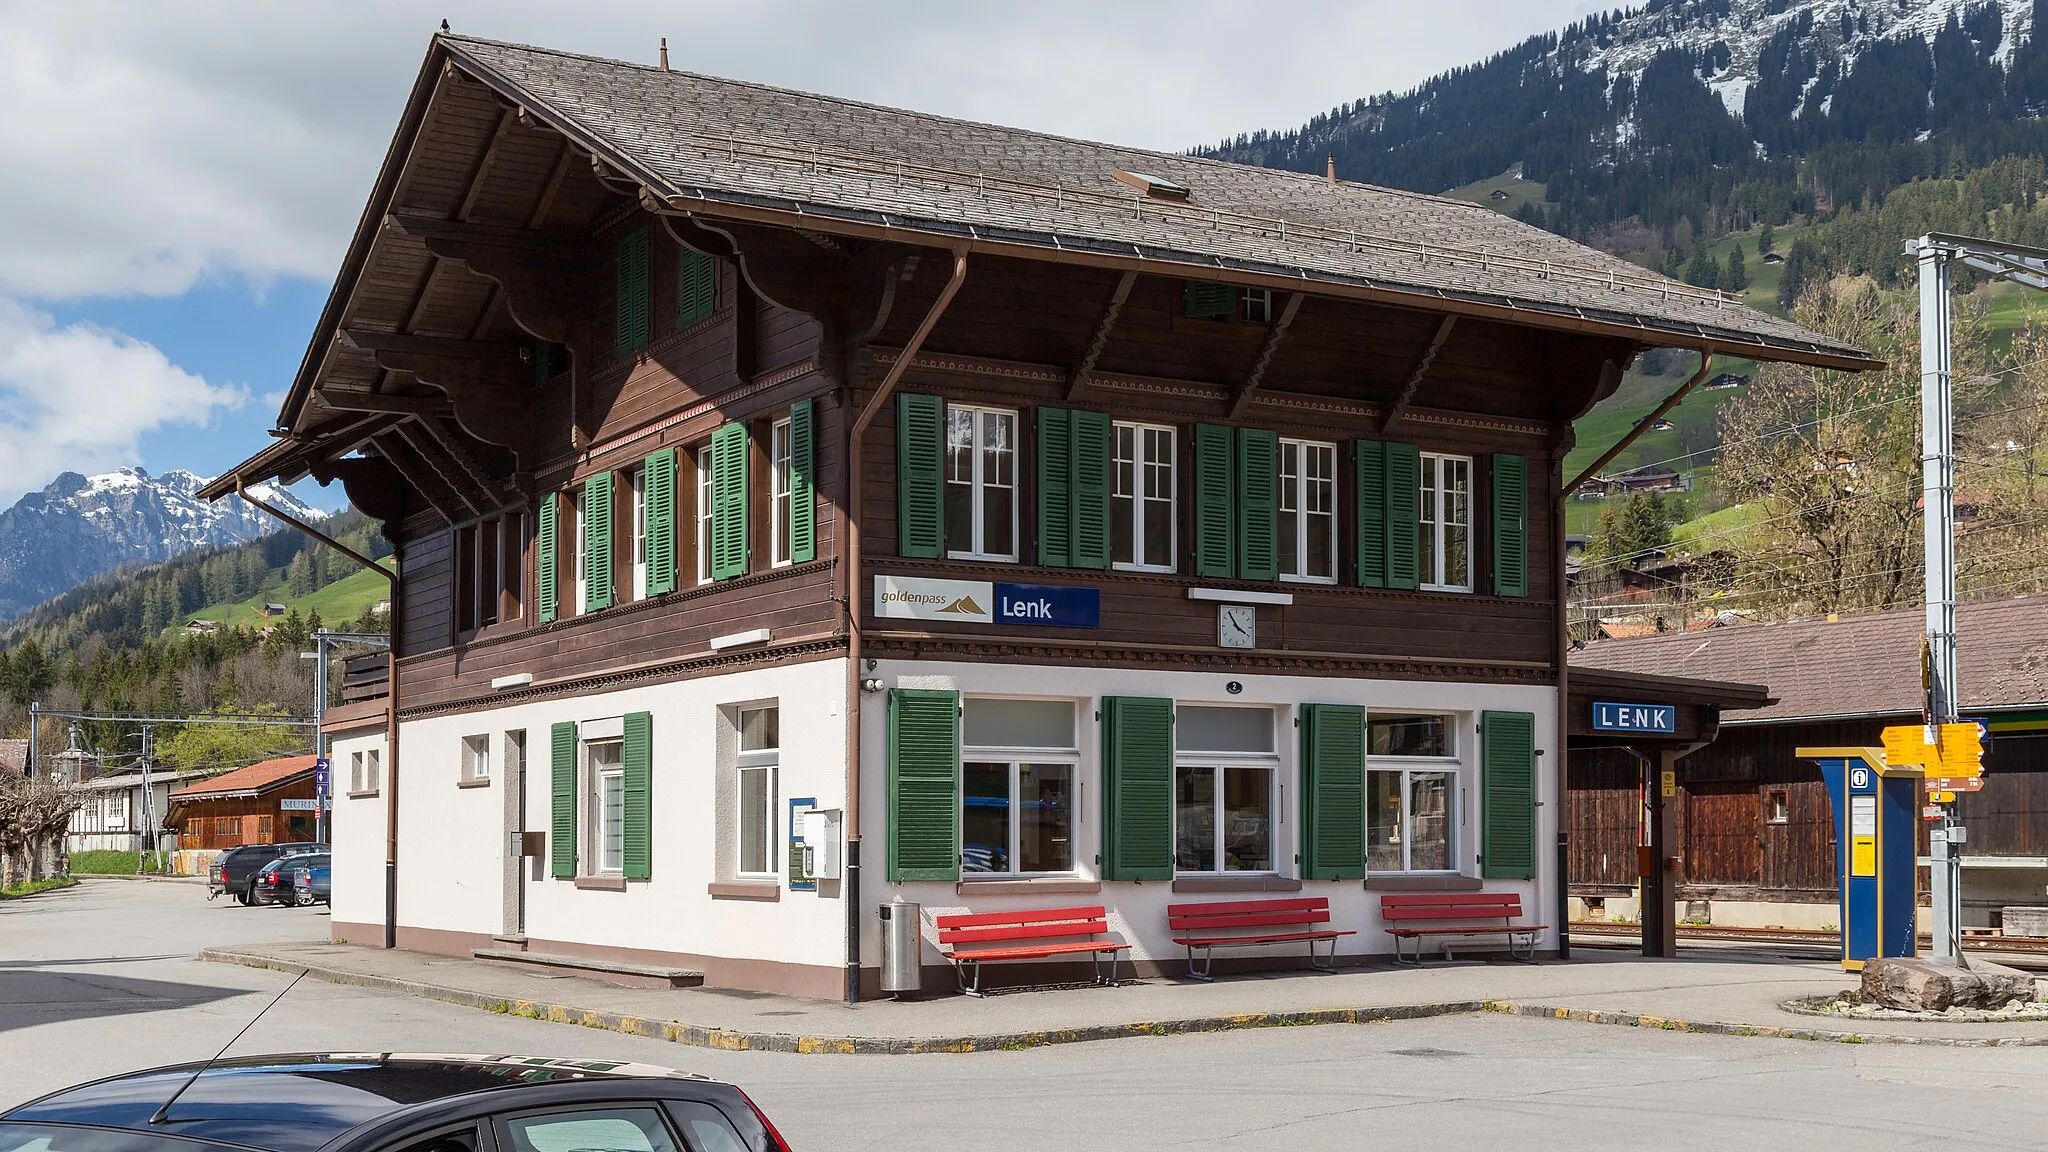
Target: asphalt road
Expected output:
[102,979]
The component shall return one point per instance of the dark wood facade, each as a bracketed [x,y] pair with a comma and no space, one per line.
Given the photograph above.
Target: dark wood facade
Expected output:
[219,822]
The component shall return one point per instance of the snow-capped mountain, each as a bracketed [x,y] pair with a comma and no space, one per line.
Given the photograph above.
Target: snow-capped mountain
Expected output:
[81,526]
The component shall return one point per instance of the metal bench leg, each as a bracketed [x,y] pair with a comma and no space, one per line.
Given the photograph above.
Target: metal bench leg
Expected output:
[1401,957]
[968,988]
[1331,965]
[1528,954]
[1208,959]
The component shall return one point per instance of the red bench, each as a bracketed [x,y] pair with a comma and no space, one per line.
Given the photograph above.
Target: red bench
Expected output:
[1033,933]
[1237,923]
[1475,911]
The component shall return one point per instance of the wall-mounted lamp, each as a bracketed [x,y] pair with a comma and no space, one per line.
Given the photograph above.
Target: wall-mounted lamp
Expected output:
[515,680]
[871,684]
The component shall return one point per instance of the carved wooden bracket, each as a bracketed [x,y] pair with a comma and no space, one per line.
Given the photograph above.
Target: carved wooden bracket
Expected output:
[374,485]
[1399,407]
[1079,381]
[1242,398]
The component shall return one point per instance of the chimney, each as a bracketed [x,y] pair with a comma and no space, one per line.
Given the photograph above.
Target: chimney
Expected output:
[1331,170]
[664,53]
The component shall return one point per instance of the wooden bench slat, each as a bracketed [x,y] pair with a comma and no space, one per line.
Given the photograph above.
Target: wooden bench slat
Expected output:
[1470,930]
[1273,939]
[1020,916]
[1440,912]
[1468,899]
[1295,904]
[1021,932]
[1027,952]
[1255,920]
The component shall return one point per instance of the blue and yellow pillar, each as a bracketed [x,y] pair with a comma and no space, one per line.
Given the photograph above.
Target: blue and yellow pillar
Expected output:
[1874,851]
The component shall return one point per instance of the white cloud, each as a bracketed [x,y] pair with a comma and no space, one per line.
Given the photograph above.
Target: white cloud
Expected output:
[79,398]
[150,145]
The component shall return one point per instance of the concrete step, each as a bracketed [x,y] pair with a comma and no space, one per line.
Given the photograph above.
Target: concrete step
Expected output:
[616,972]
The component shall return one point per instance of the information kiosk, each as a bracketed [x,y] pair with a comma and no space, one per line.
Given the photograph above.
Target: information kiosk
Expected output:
[1874,850]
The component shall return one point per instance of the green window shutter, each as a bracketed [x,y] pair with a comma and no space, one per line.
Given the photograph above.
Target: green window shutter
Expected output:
[1215,503]
[546,529]
[597,541]
[696,287]
[1507,768]
[1090,490]
[729,502]
[924,785]
[633,292]
[1137,756]
[562,813]
[1258,512]
[1203,299]
[1510,525]
[1404,488]
[636,757]
[920,475]
[1055,487]
[658,498]
[803,483]
[542,352]
[1371,460]
[1333,792]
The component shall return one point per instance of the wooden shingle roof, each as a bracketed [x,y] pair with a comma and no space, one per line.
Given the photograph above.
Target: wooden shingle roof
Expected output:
[256,779]
[724,146]
[1863,665]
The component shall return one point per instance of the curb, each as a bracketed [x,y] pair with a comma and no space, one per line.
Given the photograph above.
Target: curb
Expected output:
[147,877]
[734,1040]
[1716,1028]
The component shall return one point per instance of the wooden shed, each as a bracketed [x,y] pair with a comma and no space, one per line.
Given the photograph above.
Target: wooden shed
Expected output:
[245,806]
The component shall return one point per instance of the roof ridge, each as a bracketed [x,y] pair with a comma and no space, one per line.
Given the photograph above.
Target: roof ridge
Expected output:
[850,102]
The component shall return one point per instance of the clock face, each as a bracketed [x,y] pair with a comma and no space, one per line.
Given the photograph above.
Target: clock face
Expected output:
[1237,625]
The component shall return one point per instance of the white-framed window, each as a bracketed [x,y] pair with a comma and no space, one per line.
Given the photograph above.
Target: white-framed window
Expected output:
[355,772]
[1308,511]
[117,811]
[572,538]
[604,832]
[702,455]
[1412,790]
[981,483]
[1255,305]
[639,534]
[364,770]
[760,761]
[1141,520]
[1018,763]
[476,757]
[779,485]
[1445,543]
[1225,779]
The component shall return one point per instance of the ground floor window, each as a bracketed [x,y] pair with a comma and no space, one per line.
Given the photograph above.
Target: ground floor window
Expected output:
[1017,771]
[1223,818]
[1410,820]
[605,834]
[760,756]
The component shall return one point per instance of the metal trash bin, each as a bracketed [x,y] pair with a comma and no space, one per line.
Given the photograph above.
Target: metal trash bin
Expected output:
[902,946]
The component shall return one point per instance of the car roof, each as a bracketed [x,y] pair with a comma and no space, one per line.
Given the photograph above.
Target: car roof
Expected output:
[297,1102]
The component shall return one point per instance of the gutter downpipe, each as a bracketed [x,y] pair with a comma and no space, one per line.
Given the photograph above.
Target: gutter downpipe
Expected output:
[853,602]
[1643,425]
[390,781]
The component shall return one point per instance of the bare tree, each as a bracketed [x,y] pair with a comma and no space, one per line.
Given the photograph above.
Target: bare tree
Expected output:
[33,817]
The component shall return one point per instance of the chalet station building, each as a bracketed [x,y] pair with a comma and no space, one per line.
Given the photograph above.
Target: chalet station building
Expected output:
[1062,523]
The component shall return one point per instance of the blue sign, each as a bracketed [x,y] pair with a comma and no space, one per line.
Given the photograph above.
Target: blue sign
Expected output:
[1048,605]
[320,769]
[1659,719]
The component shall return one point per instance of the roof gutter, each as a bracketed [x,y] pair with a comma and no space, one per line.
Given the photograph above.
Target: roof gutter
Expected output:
[1643,425]
[855,438]
[390,781]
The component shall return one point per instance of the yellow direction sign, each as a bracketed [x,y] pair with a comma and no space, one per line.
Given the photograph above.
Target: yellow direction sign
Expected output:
[1957,754]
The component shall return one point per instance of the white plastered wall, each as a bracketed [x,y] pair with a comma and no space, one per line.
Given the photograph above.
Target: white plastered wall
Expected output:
[1137,911]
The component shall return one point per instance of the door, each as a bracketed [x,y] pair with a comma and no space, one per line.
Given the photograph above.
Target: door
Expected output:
[513,781]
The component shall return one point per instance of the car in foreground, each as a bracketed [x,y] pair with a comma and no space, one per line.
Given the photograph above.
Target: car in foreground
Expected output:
[313,880]
[233,872]
[392,1102]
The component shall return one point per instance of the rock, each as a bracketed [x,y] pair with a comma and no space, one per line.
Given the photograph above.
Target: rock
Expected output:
[1925,986]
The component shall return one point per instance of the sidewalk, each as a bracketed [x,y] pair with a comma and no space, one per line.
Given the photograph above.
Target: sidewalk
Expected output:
[1735,995]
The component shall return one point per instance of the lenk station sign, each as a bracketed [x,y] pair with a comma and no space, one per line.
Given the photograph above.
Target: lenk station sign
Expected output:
[1655,719]
[987,602]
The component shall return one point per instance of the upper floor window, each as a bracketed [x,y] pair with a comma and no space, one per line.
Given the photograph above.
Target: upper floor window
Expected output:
[572,539]
[702,455]
[640,534]
[1255,305]
[1141,503]
[779,488]
[1444,545]
[1308,511]
[981,483]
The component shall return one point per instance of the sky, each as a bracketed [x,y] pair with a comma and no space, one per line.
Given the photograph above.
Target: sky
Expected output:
[180,178]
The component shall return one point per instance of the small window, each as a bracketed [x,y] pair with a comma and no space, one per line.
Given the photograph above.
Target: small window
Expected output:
[759,763]
[572,540]
[612,1129]
[605,834]
[991,723]
[779,486]
[1409,734]
[702,455]
[1445,524]
[1255,305]
[981,483]
[373,770]
[639,534]
[476,757]
[1142,525]
[1202,729]
[355,772]
[1778,808]
[1308,511]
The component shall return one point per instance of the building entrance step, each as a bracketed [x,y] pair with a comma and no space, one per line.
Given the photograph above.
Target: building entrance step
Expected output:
[609,971]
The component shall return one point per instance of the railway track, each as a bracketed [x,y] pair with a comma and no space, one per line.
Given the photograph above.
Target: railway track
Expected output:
[1805,937]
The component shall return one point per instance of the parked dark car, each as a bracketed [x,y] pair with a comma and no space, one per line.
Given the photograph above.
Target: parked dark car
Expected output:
[384,1102]
[272,883]
[232,872]
[313,880]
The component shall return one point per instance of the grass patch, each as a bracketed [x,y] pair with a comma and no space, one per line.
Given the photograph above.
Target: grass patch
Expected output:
[338,603]
[1519,191]
[31,887]
[113,862]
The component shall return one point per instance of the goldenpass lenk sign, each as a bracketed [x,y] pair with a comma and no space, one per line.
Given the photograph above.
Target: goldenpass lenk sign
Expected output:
[987,602]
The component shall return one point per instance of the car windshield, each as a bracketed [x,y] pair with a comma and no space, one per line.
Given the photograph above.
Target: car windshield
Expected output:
[75,1138]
